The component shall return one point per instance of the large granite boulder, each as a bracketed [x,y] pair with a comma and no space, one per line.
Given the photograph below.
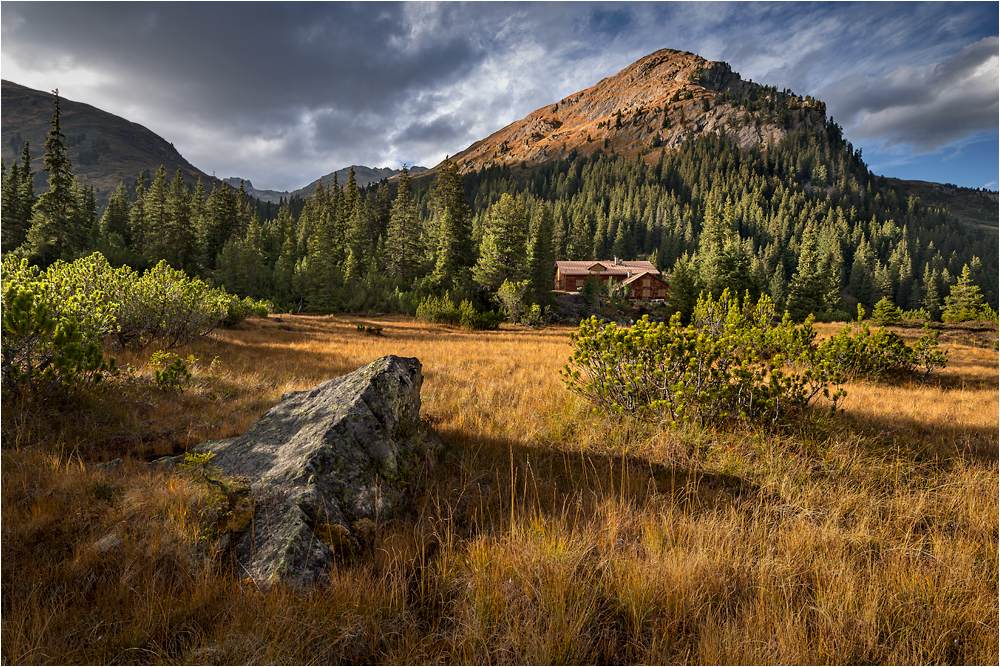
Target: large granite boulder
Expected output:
[325,465]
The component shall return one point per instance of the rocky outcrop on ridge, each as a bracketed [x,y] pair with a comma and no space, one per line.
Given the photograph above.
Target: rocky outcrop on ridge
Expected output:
[323,465]
[653,104]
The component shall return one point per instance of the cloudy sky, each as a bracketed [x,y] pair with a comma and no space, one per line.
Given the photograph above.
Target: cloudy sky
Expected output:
[282,93]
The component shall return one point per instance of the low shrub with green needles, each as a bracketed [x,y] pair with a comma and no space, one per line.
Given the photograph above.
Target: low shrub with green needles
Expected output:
[735,362]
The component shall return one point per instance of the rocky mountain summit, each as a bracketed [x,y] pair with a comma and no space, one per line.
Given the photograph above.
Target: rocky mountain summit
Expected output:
[656,102]
[324,466]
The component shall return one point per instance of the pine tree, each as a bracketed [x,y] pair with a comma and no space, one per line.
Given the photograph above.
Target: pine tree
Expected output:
[684,288]
[137,215]
[182,238]
[12,228]
[18,199]
[965,301]
[222,220]
[56,231]
[402,247]
[115,218]
[448,194]
[542,259]
[503,252]
[156,224]
[26,194]
[778,287]
[809,285]
[87,207]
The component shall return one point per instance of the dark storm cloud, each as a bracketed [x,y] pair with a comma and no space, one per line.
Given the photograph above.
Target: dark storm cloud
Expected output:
[928,108]
[284,92]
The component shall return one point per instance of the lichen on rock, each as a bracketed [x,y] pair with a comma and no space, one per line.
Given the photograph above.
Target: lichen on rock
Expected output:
[320,462]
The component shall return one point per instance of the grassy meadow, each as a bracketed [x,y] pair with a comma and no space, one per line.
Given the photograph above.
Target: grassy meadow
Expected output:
[544,533]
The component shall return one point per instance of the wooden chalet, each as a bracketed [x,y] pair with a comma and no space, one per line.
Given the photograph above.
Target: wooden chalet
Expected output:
[642,276]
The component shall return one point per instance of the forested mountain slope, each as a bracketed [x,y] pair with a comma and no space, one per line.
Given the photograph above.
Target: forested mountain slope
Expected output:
[756,220]
[721,183]
[103,148]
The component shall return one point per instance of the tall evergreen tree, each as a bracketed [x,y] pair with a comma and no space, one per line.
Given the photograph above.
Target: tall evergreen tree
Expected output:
[221,221]
[156,222]
[115,218]
[56,231]
[18,199]
[684,287]
[809,285]
[965,301]
[403,253]
[26,195]
[182,236]
[12,228]
[137,216]
[448,194]
[503,252]
[542,259]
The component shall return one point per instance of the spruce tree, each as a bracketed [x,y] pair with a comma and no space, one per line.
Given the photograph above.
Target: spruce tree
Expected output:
[965,301]
[26,194]
[115,218]
[12,228]
[403,254]
[181,238]
[503,252]
[18,199]
[56,231]
[137,215]
[809,285]
[684,288]
[156,224]
[222,220]
[448,194]
[542,259]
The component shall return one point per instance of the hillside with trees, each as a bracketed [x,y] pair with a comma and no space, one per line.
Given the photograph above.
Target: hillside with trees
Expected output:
[104,149]
[799,217]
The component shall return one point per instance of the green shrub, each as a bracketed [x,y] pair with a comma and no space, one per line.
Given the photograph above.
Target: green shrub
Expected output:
[511,298]
[470,318]
[52,326]
[618,294]
[735,364]
[237,309]
[918,314]
[866,354]
[536,316]
[170,371]
[442,310]
[54,322]
[438,309]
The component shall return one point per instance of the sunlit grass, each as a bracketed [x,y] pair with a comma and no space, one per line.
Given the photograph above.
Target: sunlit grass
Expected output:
[546,533]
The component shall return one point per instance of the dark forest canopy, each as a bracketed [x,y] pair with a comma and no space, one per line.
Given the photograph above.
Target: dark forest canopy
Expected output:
[805,222]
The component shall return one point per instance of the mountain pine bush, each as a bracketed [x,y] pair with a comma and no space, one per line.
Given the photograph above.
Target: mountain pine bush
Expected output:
[734,364]
[56,322]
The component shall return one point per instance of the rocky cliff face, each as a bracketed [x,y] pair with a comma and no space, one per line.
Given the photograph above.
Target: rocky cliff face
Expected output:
[653,104]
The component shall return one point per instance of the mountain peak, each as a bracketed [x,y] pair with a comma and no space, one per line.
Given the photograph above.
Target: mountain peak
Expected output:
[656,102]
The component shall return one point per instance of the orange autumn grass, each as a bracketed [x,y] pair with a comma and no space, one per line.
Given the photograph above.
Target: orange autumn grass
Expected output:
[545,533]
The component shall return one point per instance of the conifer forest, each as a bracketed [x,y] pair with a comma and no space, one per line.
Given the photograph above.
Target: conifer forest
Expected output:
[806,223]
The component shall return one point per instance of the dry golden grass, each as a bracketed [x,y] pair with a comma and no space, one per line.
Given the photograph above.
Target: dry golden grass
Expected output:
[545,534]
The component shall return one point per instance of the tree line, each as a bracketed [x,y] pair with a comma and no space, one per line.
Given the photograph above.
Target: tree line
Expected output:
[804,222]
